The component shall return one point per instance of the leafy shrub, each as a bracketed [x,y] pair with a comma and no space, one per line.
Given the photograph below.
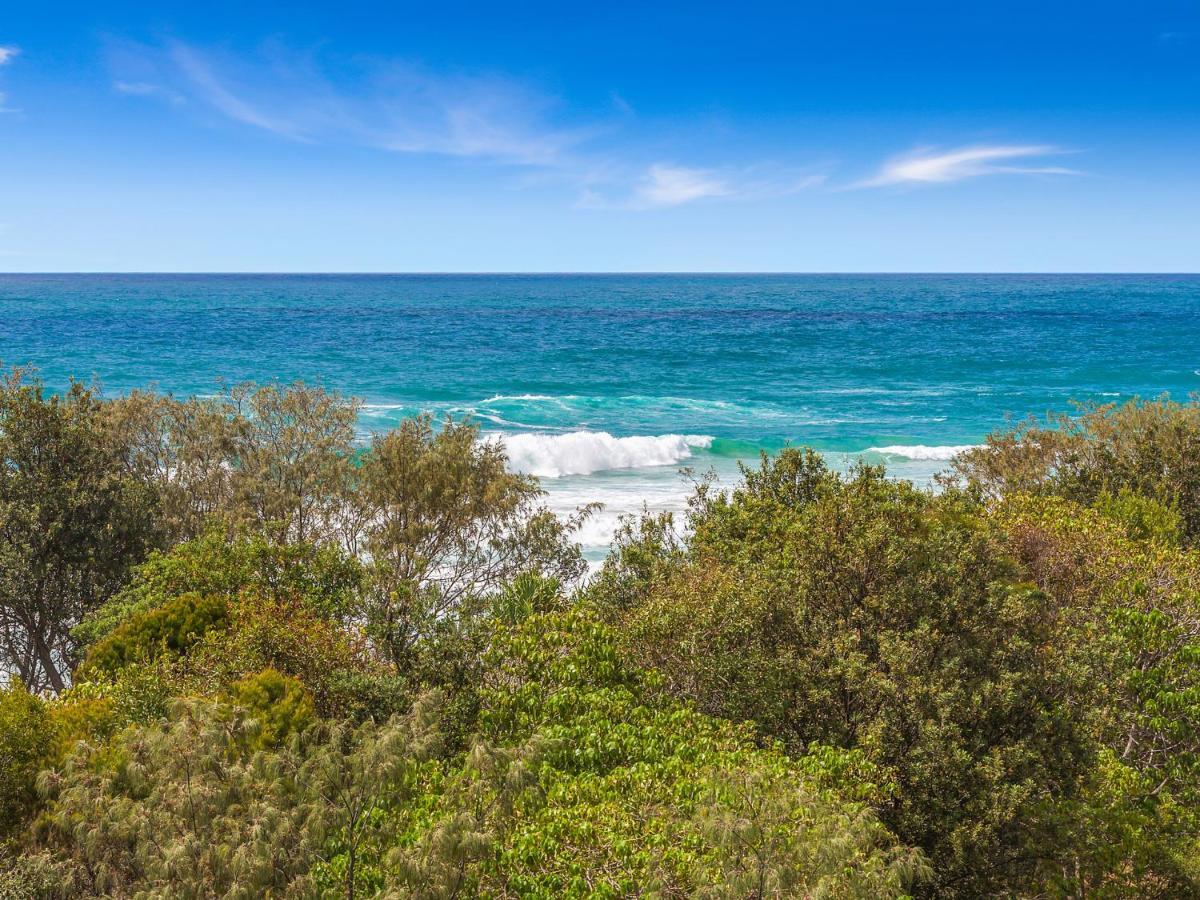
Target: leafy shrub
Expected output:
[279,705]
[599,786]
[1151,448]
[171,628]
[285,635]
[868,615]
[1130,629]
[26,739]
[215,565]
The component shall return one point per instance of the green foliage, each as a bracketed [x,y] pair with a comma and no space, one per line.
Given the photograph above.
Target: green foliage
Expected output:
[77,716]
[279,705]
[26,736]
[37,876]
[591,784]
[1130,629]
[73,520]
[275,458]
[170,628]
[186,809]
[866,614]
[1133,843]
[359,671]
[446,524]
[1142,518]
[644,551]
[139,693]
[216,565]
[283,635]
[1151,448]
[528,593]
[588,784]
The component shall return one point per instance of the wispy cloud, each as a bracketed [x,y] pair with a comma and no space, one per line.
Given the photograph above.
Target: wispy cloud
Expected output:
[210,87]
[664,185]
[402,107]
[7,54]
[670,185]
[146,89]
[389,104]
[934,167]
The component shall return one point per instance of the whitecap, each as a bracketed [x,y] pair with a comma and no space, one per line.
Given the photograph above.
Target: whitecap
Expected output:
[528,398]
[585,452]
[922,451]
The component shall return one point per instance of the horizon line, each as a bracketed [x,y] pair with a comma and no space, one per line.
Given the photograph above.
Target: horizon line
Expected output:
[588,272]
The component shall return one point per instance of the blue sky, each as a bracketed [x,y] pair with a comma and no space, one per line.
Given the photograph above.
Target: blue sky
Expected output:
[596,137]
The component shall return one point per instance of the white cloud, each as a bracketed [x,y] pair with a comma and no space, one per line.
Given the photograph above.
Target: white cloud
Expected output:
[665,185]
[146,89]
[670,185]
[212,89]
[401,107]
[388,104]
[931,167]
[804,183]
[7,54]
[135,88]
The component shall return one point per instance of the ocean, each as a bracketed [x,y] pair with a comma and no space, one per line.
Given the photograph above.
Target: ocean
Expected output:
[605,386]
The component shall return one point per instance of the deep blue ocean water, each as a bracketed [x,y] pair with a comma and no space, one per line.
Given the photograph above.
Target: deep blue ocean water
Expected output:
[701,370]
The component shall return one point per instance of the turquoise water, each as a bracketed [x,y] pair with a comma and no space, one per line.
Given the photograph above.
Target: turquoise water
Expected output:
[657,371]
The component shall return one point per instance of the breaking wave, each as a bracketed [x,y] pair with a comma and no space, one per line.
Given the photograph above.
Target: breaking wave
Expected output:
[922,451]
[585,452]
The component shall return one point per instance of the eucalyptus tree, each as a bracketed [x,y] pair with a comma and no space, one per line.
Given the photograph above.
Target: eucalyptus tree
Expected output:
[74,519]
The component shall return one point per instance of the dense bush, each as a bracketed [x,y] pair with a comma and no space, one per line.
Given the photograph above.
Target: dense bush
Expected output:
[868,615]
[579,784]
[1130,631]
[1150,448]
[26,734]
[245,656]
[220,565]
[169,628]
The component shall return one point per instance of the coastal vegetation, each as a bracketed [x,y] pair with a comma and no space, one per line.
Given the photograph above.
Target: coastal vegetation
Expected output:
[248,654]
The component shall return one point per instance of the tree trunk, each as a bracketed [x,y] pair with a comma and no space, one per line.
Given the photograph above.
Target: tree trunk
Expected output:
[46,658]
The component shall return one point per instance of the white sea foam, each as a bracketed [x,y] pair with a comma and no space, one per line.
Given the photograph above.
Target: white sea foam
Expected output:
[585,452]
[922,451]
[540,398]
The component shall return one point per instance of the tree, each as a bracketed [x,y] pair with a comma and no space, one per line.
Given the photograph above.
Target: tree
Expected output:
[588,781]
[271,456]
[218,564]
[446,524]
[181,809]
[868,615]
[1149,447]
[1129,626]
[197,807]
[73,521]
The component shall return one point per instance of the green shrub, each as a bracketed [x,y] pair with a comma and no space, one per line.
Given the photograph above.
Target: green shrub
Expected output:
[26,746]
[1151,448]
[215,565]
[1143,518]
[278,704]
[168,629]
[868,615]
